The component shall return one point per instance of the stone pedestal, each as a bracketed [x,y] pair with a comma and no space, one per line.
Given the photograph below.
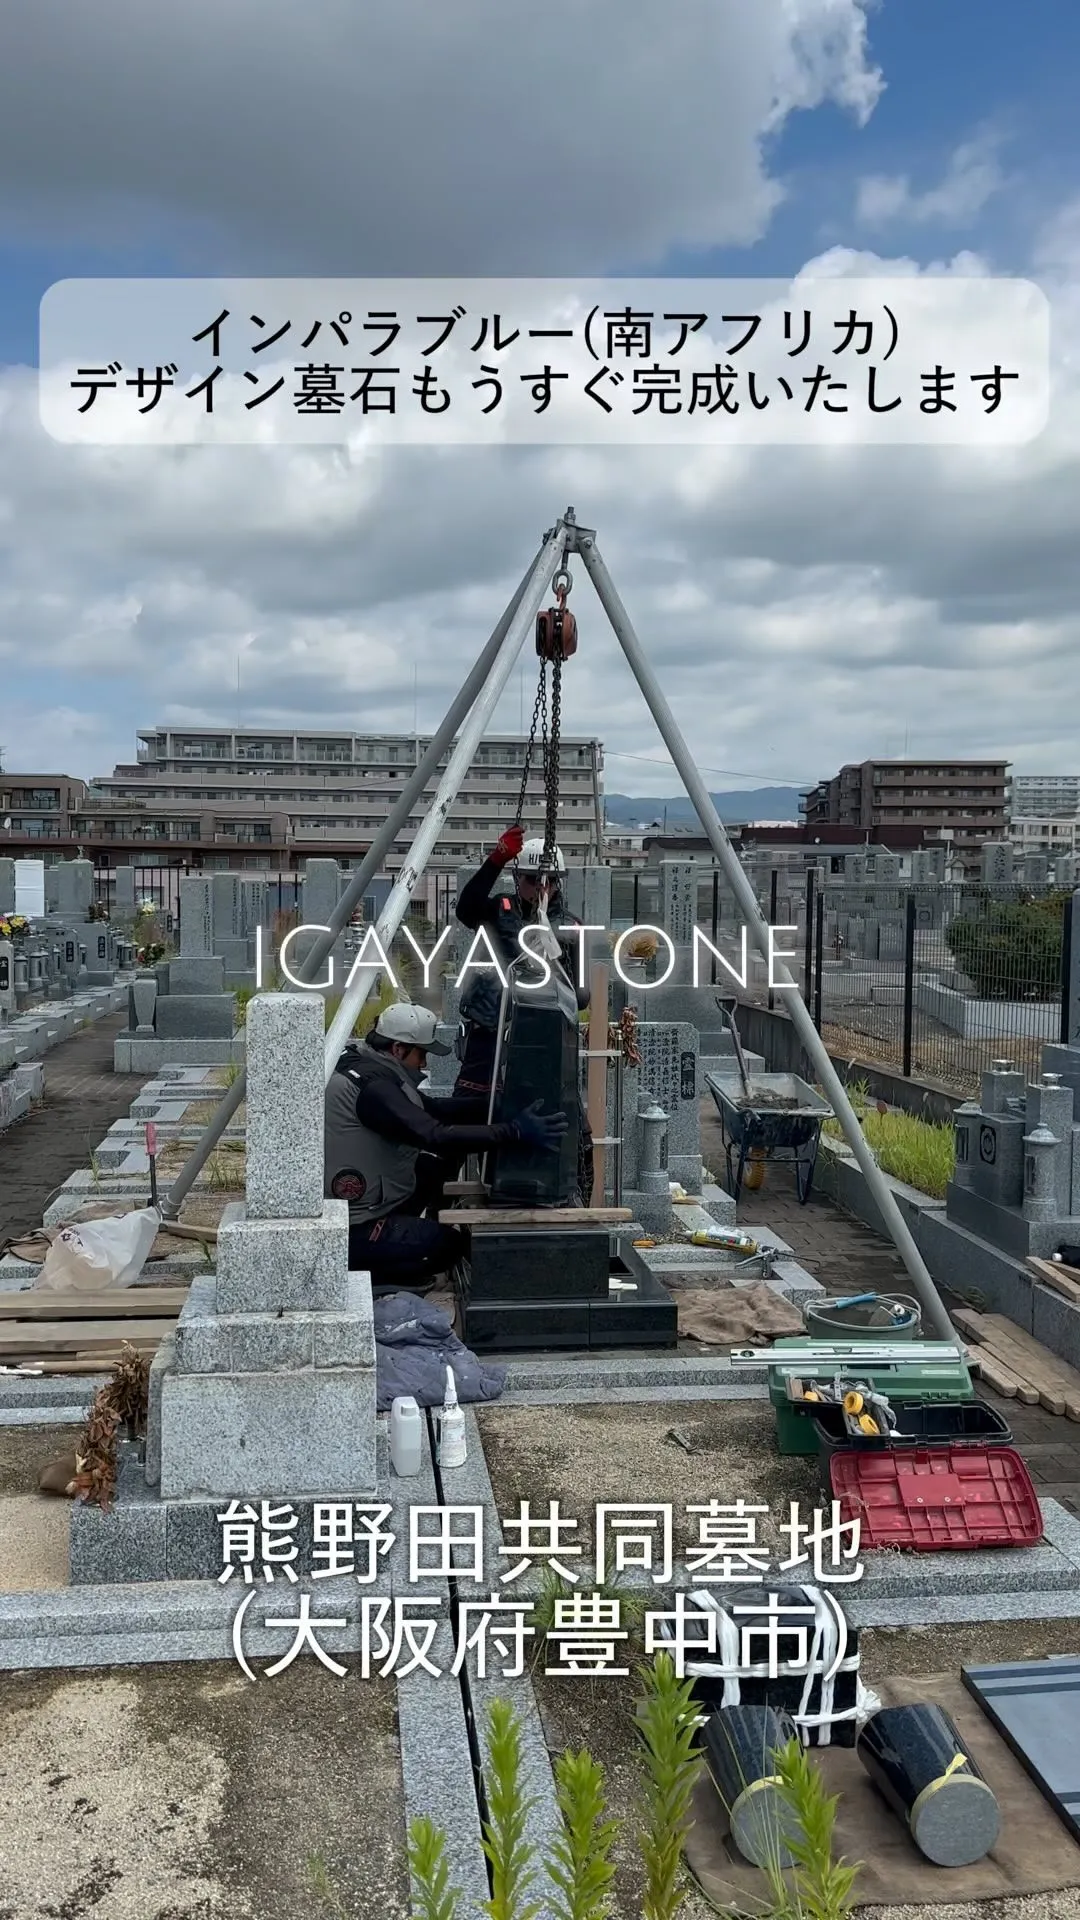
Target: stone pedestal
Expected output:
[267,1389]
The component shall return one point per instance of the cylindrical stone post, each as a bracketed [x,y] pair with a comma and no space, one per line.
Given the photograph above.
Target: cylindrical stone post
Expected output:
[964,1120]
[1040,1186]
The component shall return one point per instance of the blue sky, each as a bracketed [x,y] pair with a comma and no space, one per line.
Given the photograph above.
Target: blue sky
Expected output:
[120,602]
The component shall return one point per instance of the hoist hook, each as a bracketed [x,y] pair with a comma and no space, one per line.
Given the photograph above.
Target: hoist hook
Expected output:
[556,629]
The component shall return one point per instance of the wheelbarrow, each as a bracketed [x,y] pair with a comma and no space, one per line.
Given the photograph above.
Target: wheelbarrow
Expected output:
[772,1116]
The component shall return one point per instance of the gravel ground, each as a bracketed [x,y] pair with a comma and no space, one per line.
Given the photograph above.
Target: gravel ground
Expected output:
[186,1793]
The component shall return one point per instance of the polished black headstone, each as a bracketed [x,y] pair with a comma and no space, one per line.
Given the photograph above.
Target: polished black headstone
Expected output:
[1035,1706]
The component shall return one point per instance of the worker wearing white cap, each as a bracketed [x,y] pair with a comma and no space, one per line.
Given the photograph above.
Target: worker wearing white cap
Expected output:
[388,1148]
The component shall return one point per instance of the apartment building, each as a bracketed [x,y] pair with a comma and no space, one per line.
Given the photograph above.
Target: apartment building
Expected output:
[215,798]
[1043,795]
[37,813]
[961,800]
[1052,834]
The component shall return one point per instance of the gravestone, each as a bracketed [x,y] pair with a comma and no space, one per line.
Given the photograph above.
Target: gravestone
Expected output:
[196,919]
[229,944]
[194,1016]
[100,961]
[267,1389]
[587,894]
[7,886]
[927,865]
[74,888]
[8,1005]
[669,1074]
[1036,871]
[998,864]
[124,893]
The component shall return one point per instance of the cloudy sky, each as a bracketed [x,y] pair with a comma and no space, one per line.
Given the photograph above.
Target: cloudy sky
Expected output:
[805,608]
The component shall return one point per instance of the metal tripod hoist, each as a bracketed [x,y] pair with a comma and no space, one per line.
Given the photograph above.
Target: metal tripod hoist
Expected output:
[465,724]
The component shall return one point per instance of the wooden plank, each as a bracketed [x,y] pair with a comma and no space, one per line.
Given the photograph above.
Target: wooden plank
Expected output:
[78,1335]
[989,1368]
[1002,1332]
[1057,1384]
[503,1217]
[997,1377]
[1063,1280]
[125,1303]
[467,1189]
[969,1322]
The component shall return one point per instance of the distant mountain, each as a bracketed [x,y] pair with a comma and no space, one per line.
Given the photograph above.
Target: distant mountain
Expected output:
[753,803]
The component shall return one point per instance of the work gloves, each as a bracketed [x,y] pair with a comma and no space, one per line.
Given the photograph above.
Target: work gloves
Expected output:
[508,847]
[538,1129]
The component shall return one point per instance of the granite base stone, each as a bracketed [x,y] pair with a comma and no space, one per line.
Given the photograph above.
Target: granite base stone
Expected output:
[133,1054]
[193,975]
[146,1538]
[284,1266]
[268,1435]
[210,1341]
[194,1016]
[1006,1227]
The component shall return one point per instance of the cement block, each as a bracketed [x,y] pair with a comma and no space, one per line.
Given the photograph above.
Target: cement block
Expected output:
[290,1266]
[268,1436]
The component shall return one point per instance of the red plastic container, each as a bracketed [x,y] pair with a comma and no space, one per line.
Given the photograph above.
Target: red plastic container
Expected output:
[930,1498]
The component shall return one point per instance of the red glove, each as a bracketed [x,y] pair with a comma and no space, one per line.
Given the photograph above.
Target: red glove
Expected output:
[508,847]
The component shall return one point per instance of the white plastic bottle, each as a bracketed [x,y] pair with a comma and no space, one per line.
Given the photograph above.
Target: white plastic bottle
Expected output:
[452,1446]
[406,1443]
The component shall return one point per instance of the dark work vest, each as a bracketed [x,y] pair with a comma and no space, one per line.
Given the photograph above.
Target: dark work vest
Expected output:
[373,1174]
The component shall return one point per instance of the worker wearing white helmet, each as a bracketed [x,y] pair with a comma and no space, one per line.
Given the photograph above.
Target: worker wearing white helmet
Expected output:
[504,911]
[389,1148]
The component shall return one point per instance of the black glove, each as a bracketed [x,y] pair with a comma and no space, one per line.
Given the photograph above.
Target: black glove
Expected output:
[537,1129]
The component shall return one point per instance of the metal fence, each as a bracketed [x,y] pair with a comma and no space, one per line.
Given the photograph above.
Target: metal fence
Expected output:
[936,981]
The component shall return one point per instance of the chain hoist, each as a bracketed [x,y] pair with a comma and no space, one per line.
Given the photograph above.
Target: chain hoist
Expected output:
[556,641]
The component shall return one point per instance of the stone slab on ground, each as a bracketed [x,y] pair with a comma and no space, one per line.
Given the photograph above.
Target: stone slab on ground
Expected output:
[147,1056]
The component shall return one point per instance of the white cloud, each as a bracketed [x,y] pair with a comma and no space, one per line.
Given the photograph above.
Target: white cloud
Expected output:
[973,176]
[483,136]
[803,608]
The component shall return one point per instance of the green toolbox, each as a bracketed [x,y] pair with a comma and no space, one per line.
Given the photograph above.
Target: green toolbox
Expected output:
[914,1379]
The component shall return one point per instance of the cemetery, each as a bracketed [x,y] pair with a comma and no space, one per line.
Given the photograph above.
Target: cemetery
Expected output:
[644,1394]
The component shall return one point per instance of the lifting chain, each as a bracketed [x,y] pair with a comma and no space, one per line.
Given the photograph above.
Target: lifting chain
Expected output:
[556,641]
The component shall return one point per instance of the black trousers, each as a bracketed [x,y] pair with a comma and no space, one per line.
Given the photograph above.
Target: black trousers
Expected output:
[403,1249]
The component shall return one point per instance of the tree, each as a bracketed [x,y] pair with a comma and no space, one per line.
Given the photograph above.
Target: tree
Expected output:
[1011,950]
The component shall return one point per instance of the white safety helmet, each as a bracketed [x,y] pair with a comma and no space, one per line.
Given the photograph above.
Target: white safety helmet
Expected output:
[531,859]
[410,1026]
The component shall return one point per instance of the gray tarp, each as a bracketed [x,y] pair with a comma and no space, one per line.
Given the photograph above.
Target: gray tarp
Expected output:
[414,1344]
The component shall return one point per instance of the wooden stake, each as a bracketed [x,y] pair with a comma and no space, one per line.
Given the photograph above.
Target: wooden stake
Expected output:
[596,1085]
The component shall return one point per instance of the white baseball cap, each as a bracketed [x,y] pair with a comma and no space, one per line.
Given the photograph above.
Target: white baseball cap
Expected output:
[410,1026]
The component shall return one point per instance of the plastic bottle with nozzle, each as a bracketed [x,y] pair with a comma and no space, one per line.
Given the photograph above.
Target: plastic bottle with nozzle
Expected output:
[452,1444]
